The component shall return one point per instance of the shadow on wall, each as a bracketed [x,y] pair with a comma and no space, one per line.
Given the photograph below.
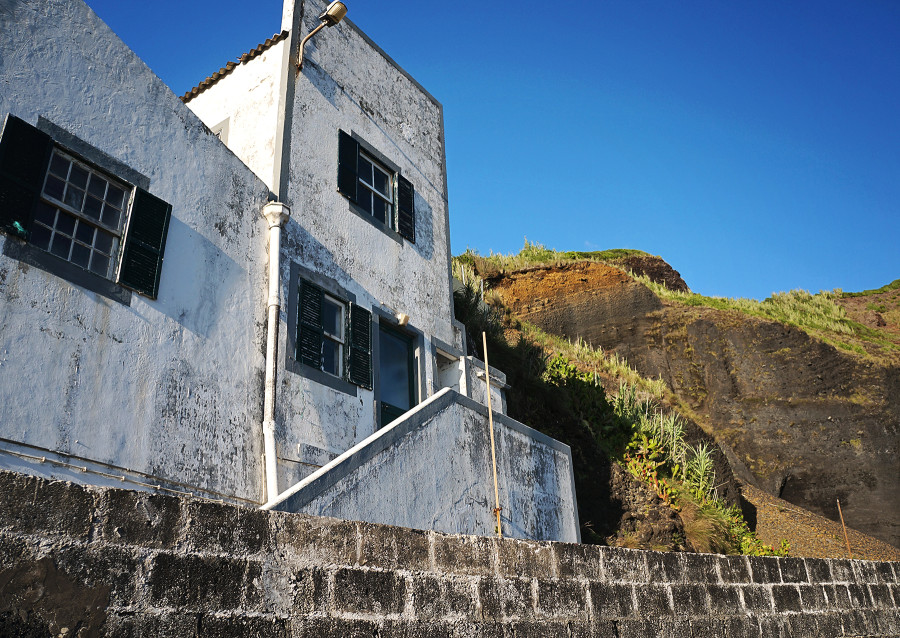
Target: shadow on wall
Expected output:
[424,228]
[322,82]
[300,246]
[195,269]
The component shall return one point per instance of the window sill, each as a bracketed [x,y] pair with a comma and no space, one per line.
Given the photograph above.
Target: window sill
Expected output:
[387,230]
[320,377]
[34,256]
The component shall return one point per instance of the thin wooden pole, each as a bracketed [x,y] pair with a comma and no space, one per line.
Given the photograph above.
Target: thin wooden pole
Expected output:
[846,539]
[487,379]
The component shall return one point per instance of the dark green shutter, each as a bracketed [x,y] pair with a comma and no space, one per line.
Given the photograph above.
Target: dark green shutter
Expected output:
[24,155]
[144,243]
[406,209]
[348,160]
[309,325]
[359,358]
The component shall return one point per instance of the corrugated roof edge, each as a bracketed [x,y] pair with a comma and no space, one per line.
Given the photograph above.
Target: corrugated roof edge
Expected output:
[230,66]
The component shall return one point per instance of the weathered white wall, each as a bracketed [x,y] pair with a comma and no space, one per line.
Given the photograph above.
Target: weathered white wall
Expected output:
[249,98]
[348,83]
[432,470]
[476,384]
[173,387]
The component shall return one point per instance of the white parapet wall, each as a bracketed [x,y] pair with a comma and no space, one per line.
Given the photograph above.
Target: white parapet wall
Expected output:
[431,469]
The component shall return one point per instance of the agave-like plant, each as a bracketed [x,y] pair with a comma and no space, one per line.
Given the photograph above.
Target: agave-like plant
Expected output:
[699,474]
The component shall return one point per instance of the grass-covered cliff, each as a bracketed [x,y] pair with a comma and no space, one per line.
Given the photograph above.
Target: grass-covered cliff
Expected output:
[794,393]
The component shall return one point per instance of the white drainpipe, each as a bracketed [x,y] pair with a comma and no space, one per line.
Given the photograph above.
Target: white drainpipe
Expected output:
[277,214]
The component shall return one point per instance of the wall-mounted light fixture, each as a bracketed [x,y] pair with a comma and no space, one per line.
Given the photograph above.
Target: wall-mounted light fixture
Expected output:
[333,14]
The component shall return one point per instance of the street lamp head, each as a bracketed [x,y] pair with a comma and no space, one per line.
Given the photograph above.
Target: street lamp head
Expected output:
[334,13]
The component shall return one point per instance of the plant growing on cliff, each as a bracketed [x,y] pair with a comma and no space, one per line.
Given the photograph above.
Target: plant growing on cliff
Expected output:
[568,401]
[650,444]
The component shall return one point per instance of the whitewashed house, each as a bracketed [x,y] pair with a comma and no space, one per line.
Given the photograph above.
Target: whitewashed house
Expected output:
[245,293]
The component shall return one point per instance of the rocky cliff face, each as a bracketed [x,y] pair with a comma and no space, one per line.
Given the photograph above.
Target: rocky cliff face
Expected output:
[796,417]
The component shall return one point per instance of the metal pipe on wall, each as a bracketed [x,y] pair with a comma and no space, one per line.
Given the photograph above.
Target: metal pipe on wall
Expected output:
[277,215]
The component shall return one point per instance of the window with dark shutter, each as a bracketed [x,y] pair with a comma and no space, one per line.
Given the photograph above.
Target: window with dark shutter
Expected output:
[68,207]
[406,209]
[24,155]
[309,325]
[348,156]
[359,360]
[144,243]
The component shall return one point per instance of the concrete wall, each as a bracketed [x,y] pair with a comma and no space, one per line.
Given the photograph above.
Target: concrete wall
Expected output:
[348,83]
[476,384]
[123,564]
[139,384]
[432,470]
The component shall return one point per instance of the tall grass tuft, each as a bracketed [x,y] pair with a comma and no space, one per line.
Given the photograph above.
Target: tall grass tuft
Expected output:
[536,254]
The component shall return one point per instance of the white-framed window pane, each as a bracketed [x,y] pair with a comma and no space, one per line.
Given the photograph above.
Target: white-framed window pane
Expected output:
[114,196]
[333,318]
[80,216]
[100,264]
[93,207]
[364,198]
[97,186]
[81,255]
[331,357]
[103,242]
[74,197]
[85,234]
[60,246]
[375,193]
[380,182]
[78,176]
[55,187]
[365,170]
[59,166]
[65,224]
[110,216]
[379,209]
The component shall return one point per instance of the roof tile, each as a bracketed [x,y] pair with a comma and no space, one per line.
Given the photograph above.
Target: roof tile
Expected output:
[230,66]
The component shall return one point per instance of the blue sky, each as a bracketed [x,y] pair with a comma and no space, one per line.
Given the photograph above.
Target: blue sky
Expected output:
[753,145]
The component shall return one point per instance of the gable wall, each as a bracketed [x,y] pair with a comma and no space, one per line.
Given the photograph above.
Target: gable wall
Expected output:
[248,98]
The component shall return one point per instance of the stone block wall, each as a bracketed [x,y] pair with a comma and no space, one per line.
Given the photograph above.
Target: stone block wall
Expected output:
[84,562]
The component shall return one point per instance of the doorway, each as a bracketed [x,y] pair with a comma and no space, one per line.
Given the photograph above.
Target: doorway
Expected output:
[396,373]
